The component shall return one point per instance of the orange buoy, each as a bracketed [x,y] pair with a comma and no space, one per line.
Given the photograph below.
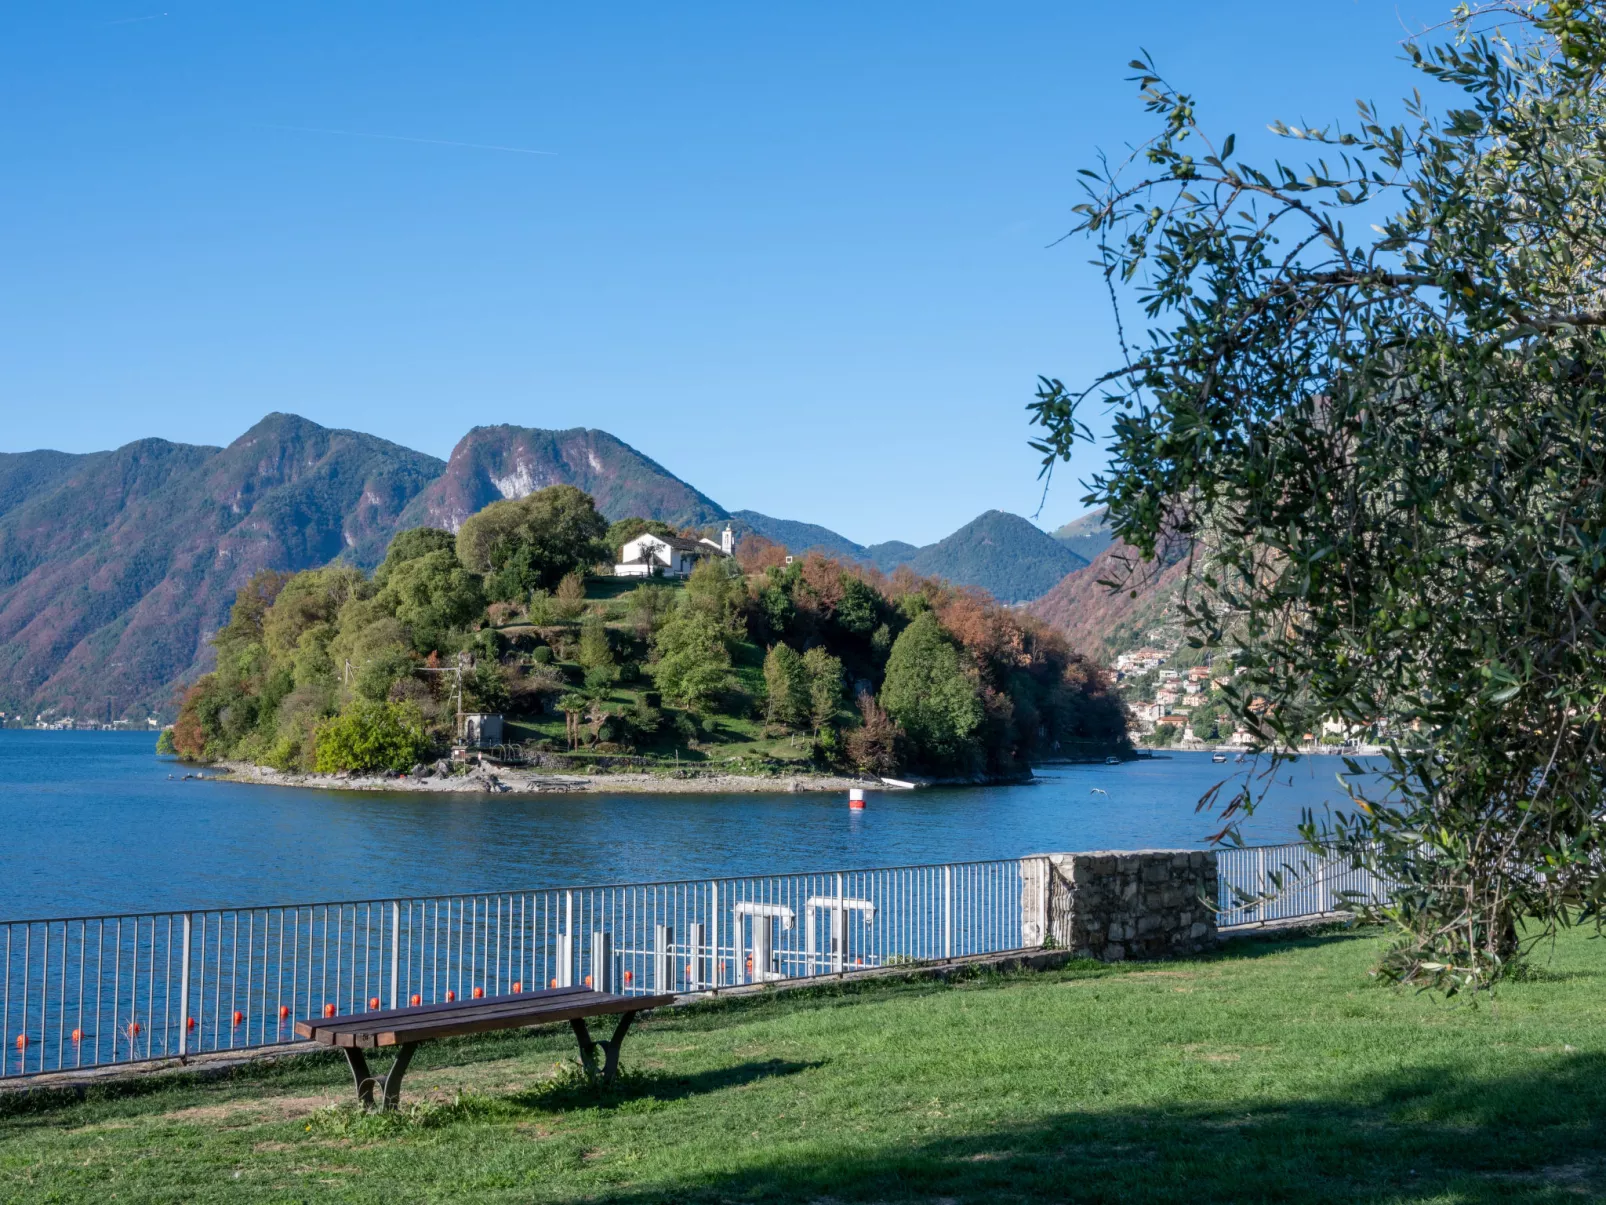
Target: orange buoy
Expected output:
[189,1022]
[22,1040]
[78,1035]
[328,1010]
[373,1002]
[417,1000]
[518,986]
[450,996]
[629,976]
[554,983]
[588,980]
[284,1011]
[479,993]
[238,1016]
[133,1028]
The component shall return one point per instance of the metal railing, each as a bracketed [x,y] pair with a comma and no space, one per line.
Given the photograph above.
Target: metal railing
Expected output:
[89,991]
[1257,884]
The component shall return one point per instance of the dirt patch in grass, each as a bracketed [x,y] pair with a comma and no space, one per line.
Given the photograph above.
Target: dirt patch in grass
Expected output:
[1582,1178]
[271,1108]
[1141,975]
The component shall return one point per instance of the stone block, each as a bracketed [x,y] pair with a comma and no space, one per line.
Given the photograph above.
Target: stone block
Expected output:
[1125,904]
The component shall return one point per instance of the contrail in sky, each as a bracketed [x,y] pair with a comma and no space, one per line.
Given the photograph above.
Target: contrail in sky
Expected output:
[137,20]
[475,146]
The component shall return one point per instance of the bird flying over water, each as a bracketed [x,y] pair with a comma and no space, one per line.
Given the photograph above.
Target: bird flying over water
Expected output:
[1099,791]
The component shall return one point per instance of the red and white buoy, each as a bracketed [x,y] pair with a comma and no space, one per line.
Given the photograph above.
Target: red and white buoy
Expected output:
[856,799]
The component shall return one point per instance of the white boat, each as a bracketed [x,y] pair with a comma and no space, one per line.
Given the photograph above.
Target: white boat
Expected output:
[1218,757]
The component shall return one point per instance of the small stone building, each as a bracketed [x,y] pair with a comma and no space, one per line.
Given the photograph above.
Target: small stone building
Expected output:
[477,729]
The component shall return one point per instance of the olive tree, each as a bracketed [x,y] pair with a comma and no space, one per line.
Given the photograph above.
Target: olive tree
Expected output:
[1368,409]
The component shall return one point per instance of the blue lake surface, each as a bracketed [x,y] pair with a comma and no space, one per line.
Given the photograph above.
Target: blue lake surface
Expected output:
[94,822]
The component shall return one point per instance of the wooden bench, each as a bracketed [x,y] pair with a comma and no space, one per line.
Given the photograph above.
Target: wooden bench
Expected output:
[405,1028]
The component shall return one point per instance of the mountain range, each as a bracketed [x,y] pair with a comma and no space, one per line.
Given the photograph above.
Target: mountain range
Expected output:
[1088,535]
[116,567]
[1006,555]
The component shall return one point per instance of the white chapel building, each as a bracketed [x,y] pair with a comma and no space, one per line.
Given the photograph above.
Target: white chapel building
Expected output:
[670,556]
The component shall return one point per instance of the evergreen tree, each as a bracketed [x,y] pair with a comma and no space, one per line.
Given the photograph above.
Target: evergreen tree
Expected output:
[825,687]
[929,694]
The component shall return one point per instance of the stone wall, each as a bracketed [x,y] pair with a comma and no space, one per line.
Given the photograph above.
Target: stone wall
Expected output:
[1120,904]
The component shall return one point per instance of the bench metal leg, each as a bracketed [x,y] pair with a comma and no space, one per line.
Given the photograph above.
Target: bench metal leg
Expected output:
[389,1083]
[359,1073]
[610,1048]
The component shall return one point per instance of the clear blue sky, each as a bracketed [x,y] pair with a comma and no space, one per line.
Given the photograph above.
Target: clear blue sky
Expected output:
[798,254]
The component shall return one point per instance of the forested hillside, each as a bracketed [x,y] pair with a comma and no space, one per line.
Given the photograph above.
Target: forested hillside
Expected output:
[819,661]
[1102,622]
[1004,554]
[115,568]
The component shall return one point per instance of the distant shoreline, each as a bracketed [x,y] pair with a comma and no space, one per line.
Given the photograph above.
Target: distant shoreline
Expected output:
[499,780]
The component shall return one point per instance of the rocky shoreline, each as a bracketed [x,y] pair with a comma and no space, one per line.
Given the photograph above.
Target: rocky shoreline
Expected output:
[486,779]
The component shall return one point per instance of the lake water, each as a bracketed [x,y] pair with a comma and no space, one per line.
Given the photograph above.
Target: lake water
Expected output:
[94,822]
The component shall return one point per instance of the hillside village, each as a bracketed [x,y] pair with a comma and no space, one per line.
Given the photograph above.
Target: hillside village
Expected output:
[1176,699]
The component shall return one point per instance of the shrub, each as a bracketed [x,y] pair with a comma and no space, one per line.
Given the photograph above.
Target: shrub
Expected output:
[369,735]
[876,746]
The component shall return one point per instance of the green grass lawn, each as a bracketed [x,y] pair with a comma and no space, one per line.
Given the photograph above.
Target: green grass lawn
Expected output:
[1276,1071]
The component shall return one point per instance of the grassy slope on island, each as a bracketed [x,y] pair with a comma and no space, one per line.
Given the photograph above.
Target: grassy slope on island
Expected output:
[1274,1071]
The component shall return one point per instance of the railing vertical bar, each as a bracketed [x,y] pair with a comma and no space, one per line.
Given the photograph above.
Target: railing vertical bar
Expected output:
[184,991]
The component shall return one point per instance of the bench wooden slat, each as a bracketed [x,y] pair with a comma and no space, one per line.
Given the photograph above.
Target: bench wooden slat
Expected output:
[396,1026]
[462,1010]
[305,1028]
[469,1011]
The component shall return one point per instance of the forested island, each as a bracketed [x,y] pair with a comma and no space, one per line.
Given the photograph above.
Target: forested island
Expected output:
[755,663]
